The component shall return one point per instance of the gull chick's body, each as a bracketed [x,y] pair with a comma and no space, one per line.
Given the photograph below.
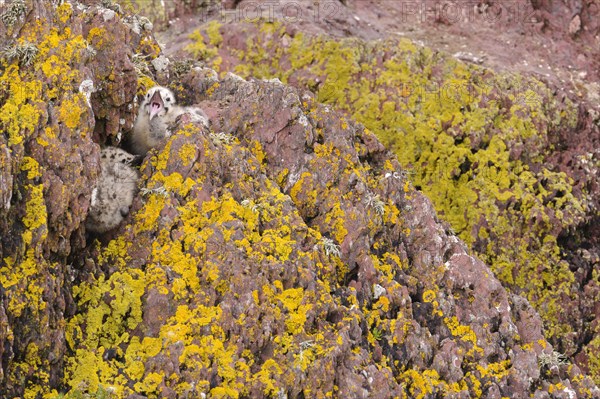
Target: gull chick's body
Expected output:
[157,112]
[113,195]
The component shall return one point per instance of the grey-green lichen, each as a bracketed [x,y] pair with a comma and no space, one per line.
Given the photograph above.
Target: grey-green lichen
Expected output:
[25,52]
[14,12]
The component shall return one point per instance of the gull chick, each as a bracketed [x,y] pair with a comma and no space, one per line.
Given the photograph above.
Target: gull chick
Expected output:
[113,195]
[157,112]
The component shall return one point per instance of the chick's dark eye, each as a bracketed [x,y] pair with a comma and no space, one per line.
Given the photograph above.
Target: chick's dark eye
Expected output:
[168,98]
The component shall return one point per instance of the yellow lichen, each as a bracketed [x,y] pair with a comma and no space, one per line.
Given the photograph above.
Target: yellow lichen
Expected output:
[19,114]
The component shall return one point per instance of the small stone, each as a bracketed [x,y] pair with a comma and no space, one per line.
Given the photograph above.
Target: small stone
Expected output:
[160,63]
[108,15]
[378,291]
[575,25]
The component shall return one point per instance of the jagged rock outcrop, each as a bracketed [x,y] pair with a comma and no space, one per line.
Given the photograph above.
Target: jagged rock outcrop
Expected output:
[509,159]
[282,253]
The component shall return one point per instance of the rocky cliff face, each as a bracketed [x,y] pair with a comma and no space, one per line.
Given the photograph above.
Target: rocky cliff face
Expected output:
[281,253]
[509,157]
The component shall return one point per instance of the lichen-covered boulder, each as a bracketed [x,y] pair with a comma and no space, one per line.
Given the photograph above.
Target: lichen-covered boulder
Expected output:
[508,159]
[284,253]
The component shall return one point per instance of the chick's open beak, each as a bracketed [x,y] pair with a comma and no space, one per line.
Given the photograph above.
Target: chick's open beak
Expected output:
[156,104]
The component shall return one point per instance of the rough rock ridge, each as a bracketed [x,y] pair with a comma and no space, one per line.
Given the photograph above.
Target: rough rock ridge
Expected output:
[504,142]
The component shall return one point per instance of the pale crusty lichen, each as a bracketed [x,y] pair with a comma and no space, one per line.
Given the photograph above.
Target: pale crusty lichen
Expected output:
[15,11]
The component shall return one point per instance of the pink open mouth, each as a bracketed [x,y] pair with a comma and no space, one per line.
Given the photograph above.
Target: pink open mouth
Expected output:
[156,104]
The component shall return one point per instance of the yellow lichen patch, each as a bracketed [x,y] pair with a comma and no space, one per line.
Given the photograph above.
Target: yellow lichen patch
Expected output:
[64,11]
[496,371]
[189,130]
[150,47]
[174,182]
[336,219]
[32,167]
[300,185]
[465,333]
[199,48]
[429,296]
[277,244]
[137,353]
[268,376]
[71,109]
[35,91]
[213,33]
[171,255]
[307,354]
[592,350]
[257,151]
[90,373]
[187,154]
[227,209]
[114,307]
[389,265]
[203,351]
[36,214]
[292,301]
[115,253]
[144,83]
[156,277]
[210,91]
[19,114]
[382,303]
[420,385]
[147,217]
[96,37]
[22,278]
[149,384]
[57,53]
[161,161]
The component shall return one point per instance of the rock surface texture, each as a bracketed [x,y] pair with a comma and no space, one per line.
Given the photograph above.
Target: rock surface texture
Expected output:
[281,253]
